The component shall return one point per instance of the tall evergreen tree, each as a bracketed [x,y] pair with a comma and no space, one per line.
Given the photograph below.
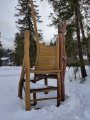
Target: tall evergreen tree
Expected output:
[70,10]
[71,46]
[86,26]
[19,48]
[25,22]
[77,19]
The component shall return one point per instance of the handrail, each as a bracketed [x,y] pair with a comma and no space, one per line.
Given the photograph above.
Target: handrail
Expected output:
[35,27]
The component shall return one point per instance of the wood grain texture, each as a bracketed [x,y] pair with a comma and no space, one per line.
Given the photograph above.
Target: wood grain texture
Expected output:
[27,65]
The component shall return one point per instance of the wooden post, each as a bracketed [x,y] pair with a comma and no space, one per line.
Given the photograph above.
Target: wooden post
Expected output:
[36,30]
[58,75]
[21,80]
[64,51]
[61,30]
[27,67]
[46,83]
[62,67]
[64,60]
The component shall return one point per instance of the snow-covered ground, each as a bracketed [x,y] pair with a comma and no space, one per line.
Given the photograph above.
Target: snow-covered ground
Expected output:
[75,107]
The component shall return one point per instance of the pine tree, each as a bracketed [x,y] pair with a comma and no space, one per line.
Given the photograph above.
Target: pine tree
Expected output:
[19,48]
[77,19]
[85,33]
[70,10]
[25,22]
[71,46]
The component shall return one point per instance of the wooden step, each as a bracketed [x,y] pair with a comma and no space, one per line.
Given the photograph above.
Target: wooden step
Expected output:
[35,87]
[48,88]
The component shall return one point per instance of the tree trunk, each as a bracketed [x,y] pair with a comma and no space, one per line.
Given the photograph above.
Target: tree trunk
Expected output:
[85,41]
[88,50]
[82,65]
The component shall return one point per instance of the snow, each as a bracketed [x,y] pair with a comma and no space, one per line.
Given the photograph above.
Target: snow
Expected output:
[36,85]
[75,107]
[4,58]
[85,57]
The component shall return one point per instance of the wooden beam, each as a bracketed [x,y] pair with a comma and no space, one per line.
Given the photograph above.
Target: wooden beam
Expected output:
[44,71]
[35,27]
[21,80]
[41,99]
[50,88]
[27,65]
[61,31]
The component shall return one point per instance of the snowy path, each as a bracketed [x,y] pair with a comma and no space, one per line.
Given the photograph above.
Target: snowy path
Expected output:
[82,92]
[75,107]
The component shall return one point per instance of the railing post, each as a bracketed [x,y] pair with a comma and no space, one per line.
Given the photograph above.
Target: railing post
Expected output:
[27,70]
[61,31]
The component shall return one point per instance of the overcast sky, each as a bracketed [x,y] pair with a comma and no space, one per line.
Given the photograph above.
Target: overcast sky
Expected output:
[8,26]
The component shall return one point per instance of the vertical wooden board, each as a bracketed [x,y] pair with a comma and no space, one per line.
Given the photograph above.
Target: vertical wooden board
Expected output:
[64,69]
[27,66]
[62,88]
[59,89]
[57,52]
[64,60]
[36,30]
[61,30]
[61,50]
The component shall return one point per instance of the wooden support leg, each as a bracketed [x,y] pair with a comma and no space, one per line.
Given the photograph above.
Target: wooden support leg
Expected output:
[34,93]
[58,90]
[62,90]
[34,98]
[20,89]
[46,83]
[27,90]
[27,70]
[21,81]
[62,80]
[63,77]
